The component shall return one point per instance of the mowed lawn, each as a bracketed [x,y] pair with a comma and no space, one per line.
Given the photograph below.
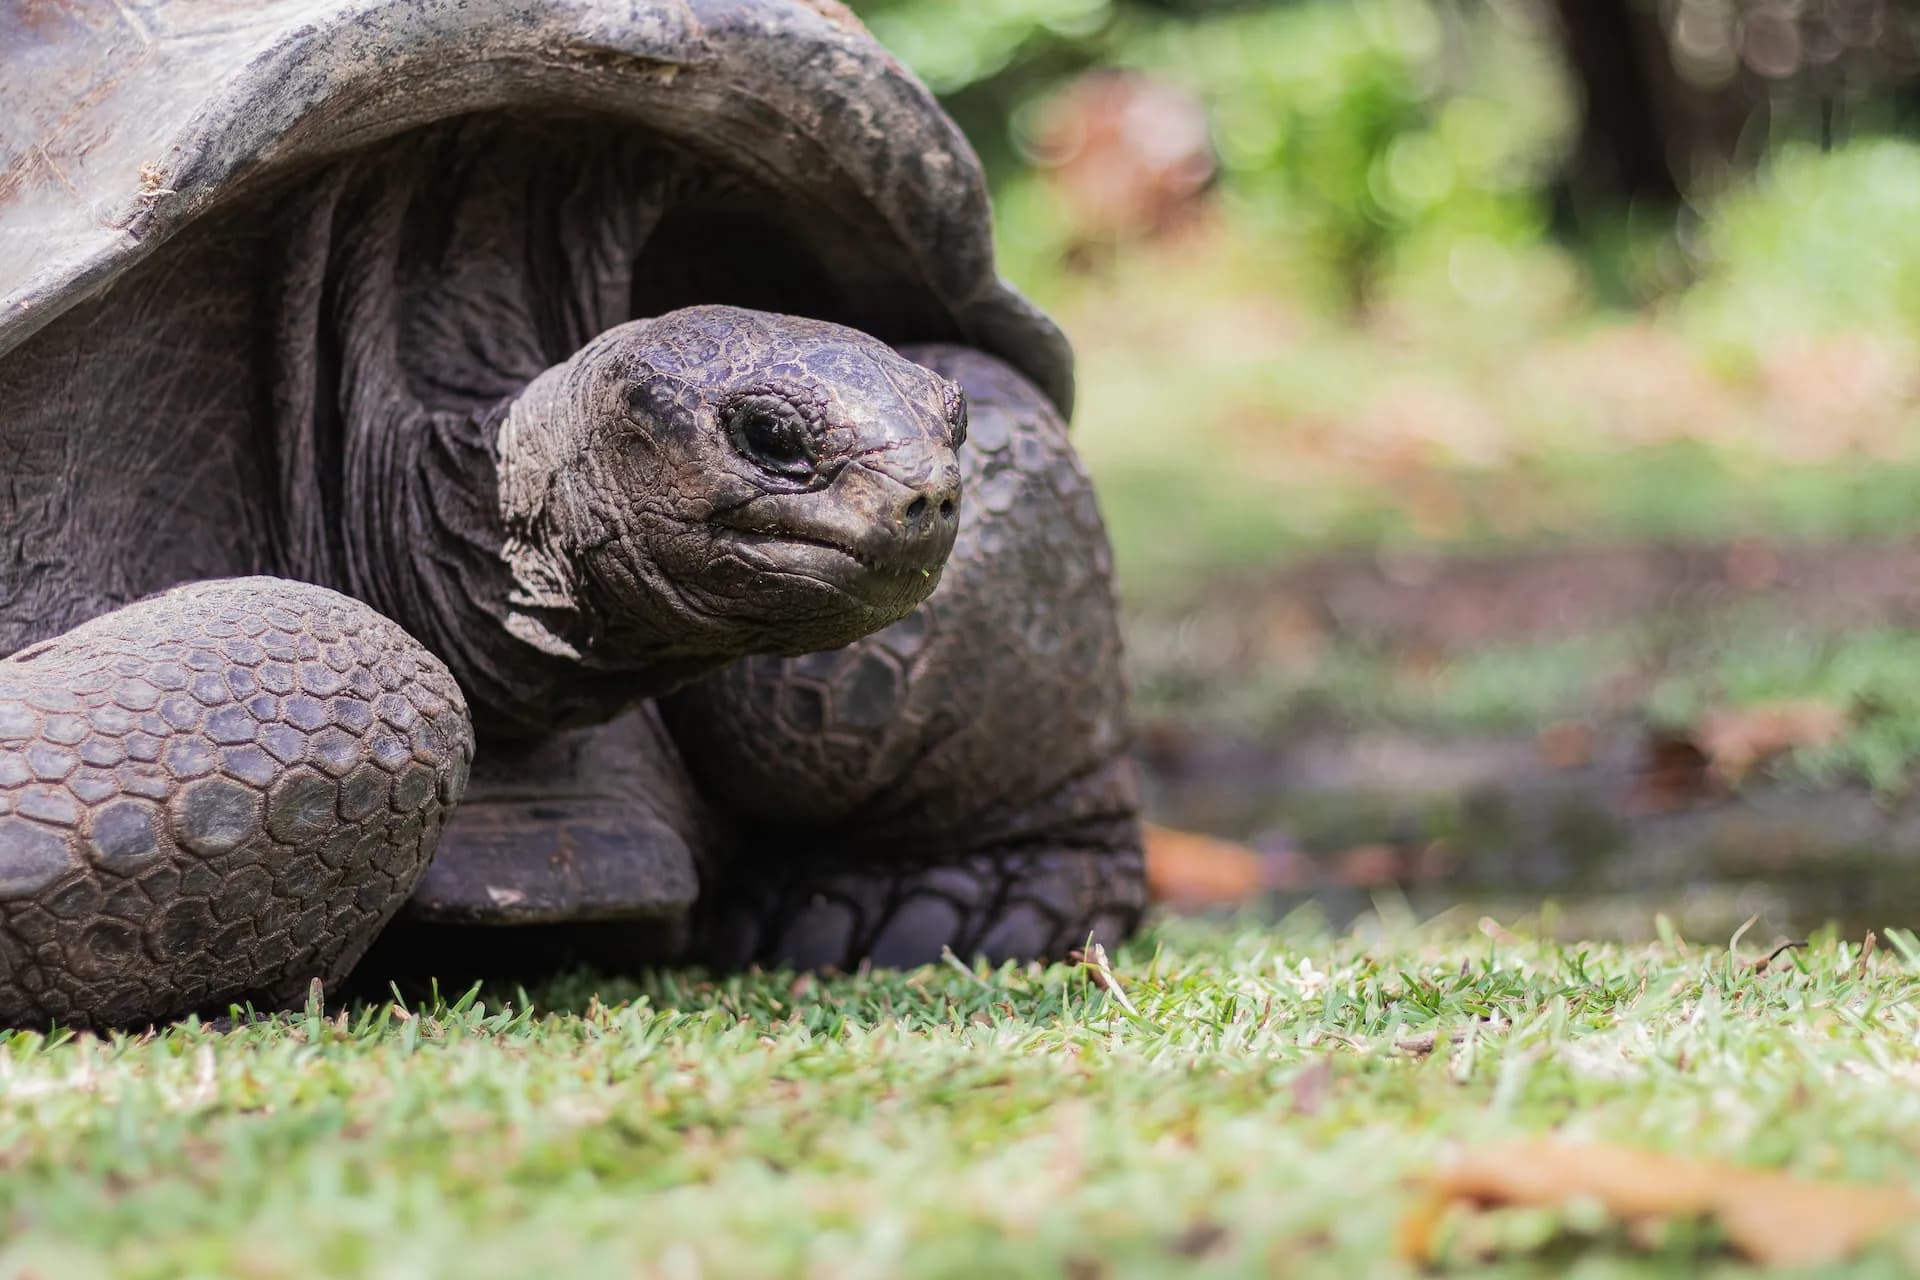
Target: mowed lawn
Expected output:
[1261,1103]
[1265,1099]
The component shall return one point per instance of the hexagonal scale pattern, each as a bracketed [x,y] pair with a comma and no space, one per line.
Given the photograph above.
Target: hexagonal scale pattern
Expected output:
[174,778]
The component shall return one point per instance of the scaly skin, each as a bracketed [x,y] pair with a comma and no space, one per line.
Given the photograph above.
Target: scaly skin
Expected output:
[681,492]
[219,793]
[958,780]
[335,335]
[684,490]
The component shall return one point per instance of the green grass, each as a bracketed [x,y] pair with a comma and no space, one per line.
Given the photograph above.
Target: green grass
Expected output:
[1258,1115]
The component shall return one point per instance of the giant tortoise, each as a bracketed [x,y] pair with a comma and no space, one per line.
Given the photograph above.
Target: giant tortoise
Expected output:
[475,464]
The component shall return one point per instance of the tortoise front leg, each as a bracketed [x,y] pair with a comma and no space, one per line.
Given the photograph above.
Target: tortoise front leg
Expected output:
[959,779]
[218,793]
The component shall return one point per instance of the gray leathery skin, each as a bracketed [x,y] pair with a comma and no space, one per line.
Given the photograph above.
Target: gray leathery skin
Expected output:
[682,491]
[413,299]
[635,512]
[406,313]
[634,539]
[219,793]
[959,779]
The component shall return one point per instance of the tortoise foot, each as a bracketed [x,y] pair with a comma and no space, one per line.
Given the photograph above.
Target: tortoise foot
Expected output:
[1022,903]
[217,794]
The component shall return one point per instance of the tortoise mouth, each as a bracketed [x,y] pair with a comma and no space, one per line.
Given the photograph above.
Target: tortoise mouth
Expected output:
[754,537]
[886,582]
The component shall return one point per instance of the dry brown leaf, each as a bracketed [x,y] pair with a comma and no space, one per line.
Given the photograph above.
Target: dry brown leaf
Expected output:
[1672,775]
[1760,965]
[1736,739]
[1775,1219]
[1420,1045]
[1186,869]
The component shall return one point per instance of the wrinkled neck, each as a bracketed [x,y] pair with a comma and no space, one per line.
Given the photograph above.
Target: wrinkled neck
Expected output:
[476,576]
[423,288]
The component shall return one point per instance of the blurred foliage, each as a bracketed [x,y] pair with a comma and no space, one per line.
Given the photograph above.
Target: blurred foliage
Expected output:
[1451,293]
[1358,138]
[1365,128]
[1488,275]
[1404,153]
[1821,242]
[956,46]
[1355,130]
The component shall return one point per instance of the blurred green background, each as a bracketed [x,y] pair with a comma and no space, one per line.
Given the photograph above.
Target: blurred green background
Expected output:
[1456,368]
[1446,285]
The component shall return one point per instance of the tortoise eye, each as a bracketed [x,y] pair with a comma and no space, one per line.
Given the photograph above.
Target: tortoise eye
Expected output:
[957,413]
[770,434]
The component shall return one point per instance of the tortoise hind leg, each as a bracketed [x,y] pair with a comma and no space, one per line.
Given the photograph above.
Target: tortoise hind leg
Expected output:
[218,793]
[959,779]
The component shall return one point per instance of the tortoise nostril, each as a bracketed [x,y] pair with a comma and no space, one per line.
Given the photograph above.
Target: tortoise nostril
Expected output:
[916,508]
[946,509]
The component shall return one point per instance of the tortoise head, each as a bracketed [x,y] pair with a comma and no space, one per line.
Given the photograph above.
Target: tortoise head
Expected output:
[715,482]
